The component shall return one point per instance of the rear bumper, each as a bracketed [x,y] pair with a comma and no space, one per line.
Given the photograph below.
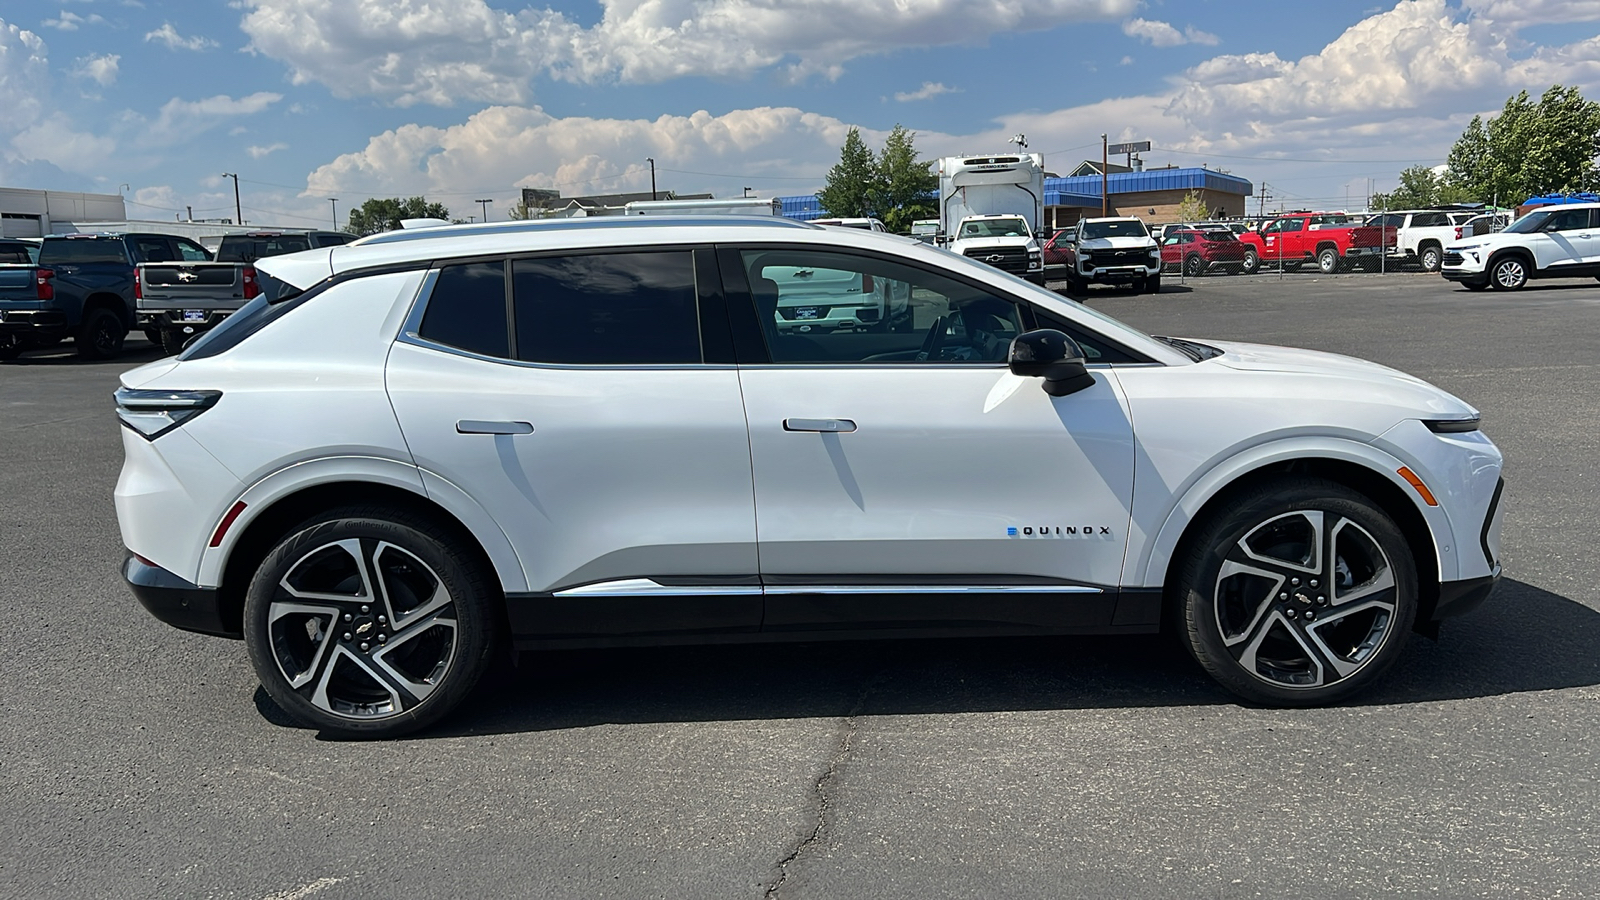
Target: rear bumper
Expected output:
[33,321]
[175,601]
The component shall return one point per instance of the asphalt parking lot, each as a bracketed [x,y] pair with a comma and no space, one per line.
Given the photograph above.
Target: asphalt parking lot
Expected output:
[140,761]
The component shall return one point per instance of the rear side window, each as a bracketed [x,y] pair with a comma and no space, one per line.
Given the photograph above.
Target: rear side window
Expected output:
[14,253]
[81,250]
[607,308]
[467,309]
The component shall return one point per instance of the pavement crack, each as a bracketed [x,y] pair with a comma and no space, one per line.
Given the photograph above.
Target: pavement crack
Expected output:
[822,789]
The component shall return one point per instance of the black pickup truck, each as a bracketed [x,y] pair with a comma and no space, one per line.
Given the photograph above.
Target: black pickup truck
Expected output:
[82,288]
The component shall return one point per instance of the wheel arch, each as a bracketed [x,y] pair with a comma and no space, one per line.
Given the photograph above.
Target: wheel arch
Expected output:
[1523,252]
[232,565]
[107,301]
[1362,475]
[1326,245]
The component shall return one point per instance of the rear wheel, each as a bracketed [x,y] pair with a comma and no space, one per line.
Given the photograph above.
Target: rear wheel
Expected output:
[101,335]
[1252,262]
[368,623]
[1299,593]
[153,335]
[1479,285]
[1430,256]
[172,341]
[1328,260]
[1193,265]
[11,346]
[1508,273]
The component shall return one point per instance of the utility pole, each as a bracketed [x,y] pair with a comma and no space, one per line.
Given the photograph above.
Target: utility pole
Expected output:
[335,202]
[485,205]
[1104,180]
[1266,194]
[238,211]
[652,161]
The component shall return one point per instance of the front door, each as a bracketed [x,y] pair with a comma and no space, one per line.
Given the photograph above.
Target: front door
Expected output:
[571,398]
[909,480]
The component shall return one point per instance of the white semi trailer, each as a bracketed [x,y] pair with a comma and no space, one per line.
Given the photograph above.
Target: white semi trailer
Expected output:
[991,209]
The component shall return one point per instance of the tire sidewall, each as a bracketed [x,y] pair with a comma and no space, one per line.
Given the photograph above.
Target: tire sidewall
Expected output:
[474,623]
[1328,261]
[1197,577]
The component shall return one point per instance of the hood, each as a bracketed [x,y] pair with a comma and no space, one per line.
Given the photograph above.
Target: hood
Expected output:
[980,243]
[1128,242]
[1369,375]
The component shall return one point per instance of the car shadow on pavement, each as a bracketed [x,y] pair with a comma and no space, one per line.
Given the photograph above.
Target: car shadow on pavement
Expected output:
[1524,639]
[136,352]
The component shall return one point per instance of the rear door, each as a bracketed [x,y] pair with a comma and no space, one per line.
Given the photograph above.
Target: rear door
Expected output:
[576,398]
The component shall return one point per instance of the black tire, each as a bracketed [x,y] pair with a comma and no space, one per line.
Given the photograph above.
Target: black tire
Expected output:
[1477,285]
[1430,256]
[1252,262]
[11,346]
[1328,261]
[1076,285]
[1296,644]
[153,335]
[1152,284]
[101,335]
[172,341]
[402,678]
[1508,273]
[1193,266]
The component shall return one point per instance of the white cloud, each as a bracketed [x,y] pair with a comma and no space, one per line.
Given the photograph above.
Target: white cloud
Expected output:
[57,141]
[69,20]
[168,35]
[1126,61]
[1518,13]
[444,51]
[258,152]
[180,120]
[101,69]
[929,89]
[1161,34]
[24,77]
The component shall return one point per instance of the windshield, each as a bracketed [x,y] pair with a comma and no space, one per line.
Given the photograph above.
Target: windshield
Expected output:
[1118,228]
[1017,227]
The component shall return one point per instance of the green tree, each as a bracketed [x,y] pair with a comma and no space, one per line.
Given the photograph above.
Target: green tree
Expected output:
[849,188]
[385,213]
[1419,187]
[1528,149]
[1192,209]
[905,187]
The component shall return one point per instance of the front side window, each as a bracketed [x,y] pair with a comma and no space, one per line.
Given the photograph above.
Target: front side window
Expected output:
[607,308]
[817,306]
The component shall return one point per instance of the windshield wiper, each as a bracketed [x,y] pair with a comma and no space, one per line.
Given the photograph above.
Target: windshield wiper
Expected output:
[1192,349]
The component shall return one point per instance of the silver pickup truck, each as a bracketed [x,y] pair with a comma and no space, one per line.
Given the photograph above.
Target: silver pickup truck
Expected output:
[178,300]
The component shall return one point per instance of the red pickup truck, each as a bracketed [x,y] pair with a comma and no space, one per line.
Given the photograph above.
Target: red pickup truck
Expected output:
[1330,240]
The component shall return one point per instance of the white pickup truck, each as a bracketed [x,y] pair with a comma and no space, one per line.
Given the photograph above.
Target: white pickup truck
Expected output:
[1423,235]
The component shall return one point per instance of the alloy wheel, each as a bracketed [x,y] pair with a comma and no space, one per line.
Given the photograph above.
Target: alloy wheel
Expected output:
[1305,599]
[1510,274]
[362,628]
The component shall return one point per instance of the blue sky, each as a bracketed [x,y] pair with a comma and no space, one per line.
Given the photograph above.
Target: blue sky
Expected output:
[468,99]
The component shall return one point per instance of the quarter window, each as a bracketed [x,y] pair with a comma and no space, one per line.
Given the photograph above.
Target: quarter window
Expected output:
[467,309]
[607,308]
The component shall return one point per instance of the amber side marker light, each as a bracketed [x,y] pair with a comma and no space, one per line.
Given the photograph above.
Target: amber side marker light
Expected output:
[1416,483]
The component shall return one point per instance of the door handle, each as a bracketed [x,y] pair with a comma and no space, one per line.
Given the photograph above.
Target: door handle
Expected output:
[834,426]
[479,426]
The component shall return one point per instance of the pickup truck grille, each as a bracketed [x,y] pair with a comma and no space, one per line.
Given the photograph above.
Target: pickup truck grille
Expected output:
[1105,258]
[1453,258]
[1006,259]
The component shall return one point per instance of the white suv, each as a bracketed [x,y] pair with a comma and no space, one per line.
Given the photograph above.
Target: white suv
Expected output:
[598,432]
[1561,241]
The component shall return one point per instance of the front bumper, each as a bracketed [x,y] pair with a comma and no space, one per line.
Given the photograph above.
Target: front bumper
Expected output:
[1457,598]
[1464,276]
[1118,274]
[175,601]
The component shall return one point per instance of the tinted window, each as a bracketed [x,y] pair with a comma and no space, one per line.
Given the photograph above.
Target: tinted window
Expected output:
[14,252]
[250,249]
[607,308]
[82,250]
[467,309]
[189,251]
[333,240]
[1569,220]
[1429,220]
[1133,228]
[817,306]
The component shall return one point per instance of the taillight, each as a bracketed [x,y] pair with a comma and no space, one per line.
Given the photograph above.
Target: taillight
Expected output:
[252,287]
[154,413]
[138,288]
[44,290]
[866,284]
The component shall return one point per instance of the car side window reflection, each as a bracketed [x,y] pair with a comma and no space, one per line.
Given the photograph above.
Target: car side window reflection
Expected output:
[821,307]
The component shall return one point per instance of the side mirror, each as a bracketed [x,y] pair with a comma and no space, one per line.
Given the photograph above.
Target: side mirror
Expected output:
[1051,355]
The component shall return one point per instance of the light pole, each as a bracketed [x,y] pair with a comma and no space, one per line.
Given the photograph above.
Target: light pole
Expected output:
[238,211]
[335,202]
[652,161]
[485,205]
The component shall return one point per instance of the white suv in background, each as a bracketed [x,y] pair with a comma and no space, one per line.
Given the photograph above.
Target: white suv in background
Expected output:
[586,433]
[1559,241]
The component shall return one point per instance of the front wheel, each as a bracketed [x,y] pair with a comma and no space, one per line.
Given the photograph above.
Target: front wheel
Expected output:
[1300,592]
[1509,274]
[368,623]
[1252,263]
[1152,284]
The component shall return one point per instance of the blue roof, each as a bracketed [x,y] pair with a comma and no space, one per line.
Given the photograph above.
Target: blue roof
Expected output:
[1548,199]
[1188,179]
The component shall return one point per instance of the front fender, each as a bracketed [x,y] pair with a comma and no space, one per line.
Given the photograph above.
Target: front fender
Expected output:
[1147,565]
